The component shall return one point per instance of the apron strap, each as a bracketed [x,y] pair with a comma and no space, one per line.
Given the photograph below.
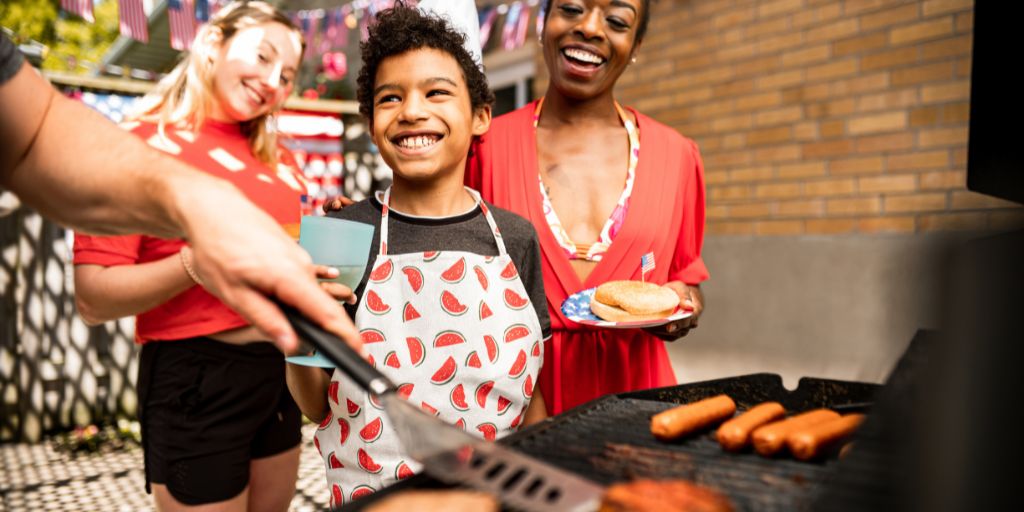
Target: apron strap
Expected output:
[498,240]
[384,208]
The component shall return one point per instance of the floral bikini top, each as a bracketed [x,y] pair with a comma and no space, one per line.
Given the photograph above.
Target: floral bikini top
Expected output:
[595,251]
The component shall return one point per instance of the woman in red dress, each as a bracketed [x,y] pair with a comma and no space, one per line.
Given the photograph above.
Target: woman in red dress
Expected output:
[603,185]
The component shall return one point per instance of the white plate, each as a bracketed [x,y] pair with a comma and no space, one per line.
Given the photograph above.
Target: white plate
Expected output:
[577,309]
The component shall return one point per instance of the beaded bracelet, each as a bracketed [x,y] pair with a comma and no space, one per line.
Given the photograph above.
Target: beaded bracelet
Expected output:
[188,265]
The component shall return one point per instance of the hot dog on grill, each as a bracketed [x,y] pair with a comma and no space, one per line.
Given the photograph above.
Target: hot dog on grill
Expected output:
[770,438]
[662,496]
[685,419]
[809,442]
[734,435]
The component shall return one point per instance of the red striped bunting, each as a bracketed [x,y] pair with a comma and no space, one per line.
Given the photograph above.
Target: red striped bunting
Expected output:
[133,21]
[82,8]
[183,24]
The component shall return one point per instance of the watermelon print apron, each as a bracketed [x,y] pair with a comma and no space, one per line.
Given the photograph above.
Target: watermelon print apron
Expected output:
[457,332]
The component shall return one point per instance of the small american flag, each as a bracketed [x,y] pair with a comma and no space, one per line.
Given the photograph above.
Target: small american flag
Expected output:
[133,20]
[82,8]
[646,264]
[183,23]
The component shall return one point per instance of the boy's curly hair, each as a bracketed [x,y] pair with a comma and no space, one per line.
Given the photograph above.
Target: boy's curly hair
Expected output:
[401,29]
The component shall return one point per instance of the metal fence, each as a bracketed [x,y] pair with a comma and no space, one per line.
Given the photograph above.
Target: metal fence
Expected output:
[55,372]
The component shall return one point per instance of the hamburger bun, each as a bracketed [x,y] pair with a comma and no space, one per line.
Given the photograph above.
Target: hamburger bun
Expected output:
[633,301]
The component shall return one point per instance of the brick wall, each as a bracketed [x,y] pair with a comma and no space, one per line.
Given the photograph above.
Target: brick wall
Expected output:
[819,116]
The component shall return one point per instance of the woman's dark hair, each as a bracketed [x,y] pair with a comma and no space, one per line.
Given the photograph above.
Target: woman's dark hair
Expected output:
[641,29]
[401,29]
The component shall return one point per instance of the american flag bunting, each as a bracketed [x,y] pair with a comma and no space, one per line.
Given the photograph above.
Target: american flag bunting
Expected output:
[486,24]
[82,8]
[133,22]
[181,17]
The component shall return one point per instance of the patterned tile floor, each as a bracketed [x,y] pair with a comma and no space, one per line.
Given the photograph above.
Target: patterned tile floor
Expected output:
[34,477]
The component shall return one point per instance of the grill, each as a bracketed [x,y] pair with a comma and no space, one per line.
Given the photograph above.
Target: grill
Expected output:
[608,440]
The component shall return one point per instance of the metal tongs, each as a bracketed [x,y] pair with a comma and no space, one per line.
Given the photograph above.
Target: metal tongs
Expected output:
[450,454]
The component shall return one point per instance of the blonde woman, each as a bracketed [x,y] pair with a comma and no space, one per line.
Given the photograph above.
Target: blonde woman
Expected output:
[220,430]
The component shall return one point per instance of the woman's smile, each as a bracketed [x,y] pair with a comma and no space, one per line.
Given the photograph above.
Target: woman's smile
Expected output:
[254,95]
[581,62]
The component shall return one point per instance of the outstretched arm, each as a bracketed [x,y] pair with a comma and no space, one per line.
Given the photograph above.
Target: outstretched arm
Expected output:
[76,167]
[79,169]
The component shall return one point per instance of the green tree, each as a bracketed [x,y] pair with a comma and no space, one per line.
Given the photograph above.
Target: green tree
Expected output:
[73,44]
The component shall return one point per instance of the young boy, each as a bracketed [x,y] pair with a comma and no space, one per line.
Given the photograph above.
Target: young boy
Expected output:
[452,303]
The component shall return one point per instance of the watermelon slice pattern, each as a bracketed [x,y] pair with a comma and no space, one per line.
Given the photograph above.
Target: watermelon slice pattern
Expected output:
[403,471]
[383,272]
[333,462]
[414,277]
[475,370]
[485,311]
[409,313]
[376,403]
[343,431]
[326,422]
[337,497]
[361,491]
[518,419]
[481,276]
[455,273]
[371,431]
[405,390]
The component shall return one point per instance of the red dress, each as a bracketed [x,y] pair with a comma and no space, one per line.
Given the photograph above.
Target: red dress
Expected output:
[666,216]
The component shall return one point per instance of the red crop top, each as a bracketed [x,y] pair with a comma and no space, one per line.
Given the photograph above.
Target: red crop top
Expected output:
[223,151]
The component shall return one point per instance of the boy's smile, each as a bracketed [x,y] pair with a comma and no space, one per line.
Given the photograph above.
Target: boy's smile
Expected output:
[416,142]
[423,119]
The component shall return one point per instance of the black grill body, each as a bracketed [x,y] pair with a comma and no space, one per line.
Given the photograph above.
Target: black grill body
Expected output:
[609,440]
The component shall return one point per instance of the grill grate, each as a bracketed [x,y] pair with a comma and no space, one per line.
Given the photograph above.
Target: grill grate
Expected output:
[609,440]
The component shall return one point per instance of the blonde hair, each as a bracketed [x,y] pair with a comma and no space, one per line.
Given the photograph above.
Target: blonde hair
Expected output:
[182,97]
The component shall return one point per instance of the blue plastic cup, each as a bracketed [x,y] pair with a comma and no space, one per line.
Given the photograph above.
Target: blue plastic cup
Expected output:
[342,244]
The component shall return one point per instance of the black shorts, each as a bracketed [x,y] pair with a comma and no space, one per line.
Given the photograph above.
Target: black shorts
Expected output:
[207,410]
